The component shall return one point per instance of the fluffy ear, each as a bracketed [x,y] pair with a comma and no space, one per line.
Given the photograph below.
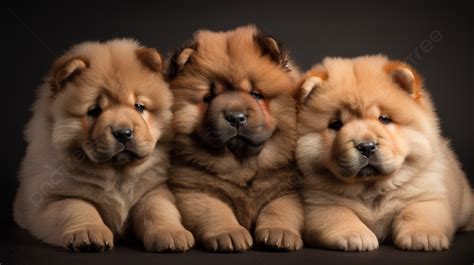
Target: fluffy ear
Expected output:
[270,47]
[64,70]
[311,82]
[179,59]
[151,58]
[405,77]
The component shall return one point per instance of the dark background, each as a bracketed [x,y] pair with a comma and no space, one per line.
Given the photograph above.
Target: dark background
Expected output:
[435,37]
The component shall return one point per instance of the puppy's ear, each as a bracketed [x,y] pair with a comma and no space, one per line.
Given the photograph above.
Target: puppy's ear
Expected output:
[179,59]
[151,58]
[405,77]
[272,48]
[310,83]
[64,70]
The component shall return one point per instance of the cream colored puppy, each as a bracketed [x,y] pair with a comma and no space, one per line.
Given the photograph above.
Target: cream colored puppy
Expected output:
[97,157]
[374,162]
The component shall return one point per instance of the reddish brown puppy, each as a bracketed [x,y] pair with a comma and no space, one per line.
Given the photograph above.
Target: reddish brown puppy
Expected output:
[235,122]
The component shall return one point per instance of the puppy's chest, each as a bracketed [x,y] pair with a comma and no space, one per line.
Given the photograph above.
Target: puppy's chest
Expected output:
[121,198]
[378,212]
[245,198]
[248,199]
[115,199]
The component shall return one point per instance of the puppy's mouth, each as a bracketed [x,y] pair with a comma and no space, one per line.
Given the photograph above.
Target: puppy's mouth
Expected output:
[245,140]
[124,157]
[234,139]
[368,171]
[364,169]
[119,155]
[242,146]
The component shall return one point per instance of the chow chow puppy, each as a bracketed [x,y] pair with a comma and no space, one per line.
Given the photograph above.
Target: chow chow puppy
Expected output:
[235,124]
[374,162]
[97,157]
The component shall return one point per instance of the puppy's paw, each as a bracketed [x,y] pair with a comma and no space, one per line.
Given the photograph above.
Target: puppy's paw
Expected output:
[160,240]
[419,240]
[351,240]
[235,240]
[95,237]
[279,239]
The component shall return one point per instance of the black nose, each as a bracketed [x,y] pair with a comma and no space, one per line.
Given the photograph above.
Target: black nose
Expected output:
[123,135]
[236,119]
[367,148]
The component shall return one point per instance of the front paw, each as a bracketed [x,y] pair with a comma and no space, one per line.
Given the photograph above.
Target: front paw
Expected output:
[160,240]
[347,240]
[234,240]
[422,240]
[89,238]
[279,239]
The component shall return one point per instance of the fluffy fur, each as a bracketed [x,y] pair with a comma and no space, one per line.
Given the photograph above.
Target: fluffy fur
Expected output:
[79,186]
[234,175]
[407,184]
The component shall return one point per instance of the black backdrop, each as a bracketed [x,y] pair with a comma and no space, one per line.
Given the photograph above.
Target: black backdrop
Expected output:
[437,38]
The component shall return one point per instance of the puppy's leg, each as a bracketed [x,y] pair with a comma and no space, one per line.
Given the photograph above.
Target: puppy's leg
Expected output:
[280,222]
[337,227]
[213,223]
[157,222]
[74,224]
[424,226]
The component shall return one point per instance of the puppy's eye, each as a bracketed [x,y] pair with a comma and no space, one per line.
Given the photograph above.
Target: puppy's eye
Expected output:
[94,112]
[385,119]
[256,95]
[207,98]
[139,107]
[336,125]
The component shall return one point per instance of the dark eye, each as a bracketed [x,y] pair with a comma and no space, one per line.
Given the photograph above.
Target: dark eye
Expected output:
[256,95]
[336,125]
[385,119]
[207,98]
[139,107]
[94,112]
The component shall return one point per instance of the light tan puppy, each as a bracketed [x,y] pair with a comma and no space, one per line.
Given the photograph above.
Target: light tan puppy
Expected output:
[374,162]
[97,156]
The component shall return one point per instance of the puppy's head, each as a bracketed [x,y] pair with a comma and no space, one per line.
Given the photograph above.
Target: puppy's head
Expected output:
[109,102]
[364,119]
[233,92]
